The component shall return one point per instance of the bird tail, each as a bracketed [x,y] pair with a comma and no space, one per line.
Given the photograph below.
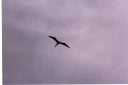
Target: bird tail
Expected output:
[56,44]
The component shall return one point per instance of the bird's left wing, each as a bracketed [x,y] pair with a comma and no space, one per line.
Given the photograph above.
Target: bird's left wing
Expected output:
[65,45]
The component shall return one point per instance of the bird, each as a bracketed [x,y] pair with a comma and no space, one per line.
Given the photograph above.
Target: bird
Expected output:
[58,42]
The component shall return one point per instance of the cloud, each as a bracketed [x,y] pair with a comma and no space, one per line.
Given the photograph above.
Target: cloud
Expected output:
[94,29]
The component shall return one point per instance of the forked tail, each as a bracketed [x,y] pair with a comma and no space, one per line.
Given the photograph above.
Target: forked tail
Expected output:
[56,44]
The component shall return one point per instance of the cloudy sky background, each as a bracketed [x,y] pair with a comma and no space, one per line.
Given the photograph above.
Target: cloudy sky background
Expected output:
[96,31]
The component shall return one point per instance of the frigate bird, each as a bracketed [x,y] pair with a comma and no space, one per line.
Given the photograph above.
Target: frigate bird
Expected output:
[58,42]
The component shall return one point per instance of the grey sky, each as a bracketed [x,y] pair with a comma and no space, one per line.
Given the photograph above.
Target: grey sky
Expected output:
[96,31]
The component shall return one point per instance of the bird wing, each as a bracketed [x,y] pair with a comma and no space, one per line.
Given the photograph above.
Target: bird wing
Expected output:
[65,45]
[53,38]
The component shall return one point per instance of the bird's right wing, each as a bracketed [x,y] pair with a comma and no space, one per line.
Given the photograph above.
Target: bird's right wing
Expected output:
[53,38]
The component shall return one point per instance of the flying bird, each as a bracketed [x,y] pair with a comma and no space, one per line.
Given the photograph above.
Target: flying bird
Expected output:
[58,42]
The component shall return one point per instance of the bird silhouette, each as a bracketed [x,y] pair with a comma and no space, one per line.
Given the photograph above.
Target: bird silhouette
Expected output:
[58,42]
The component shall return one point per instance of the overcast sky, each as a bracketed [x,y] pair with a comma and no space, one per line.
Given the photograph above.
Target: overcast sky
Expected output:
[96,31]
